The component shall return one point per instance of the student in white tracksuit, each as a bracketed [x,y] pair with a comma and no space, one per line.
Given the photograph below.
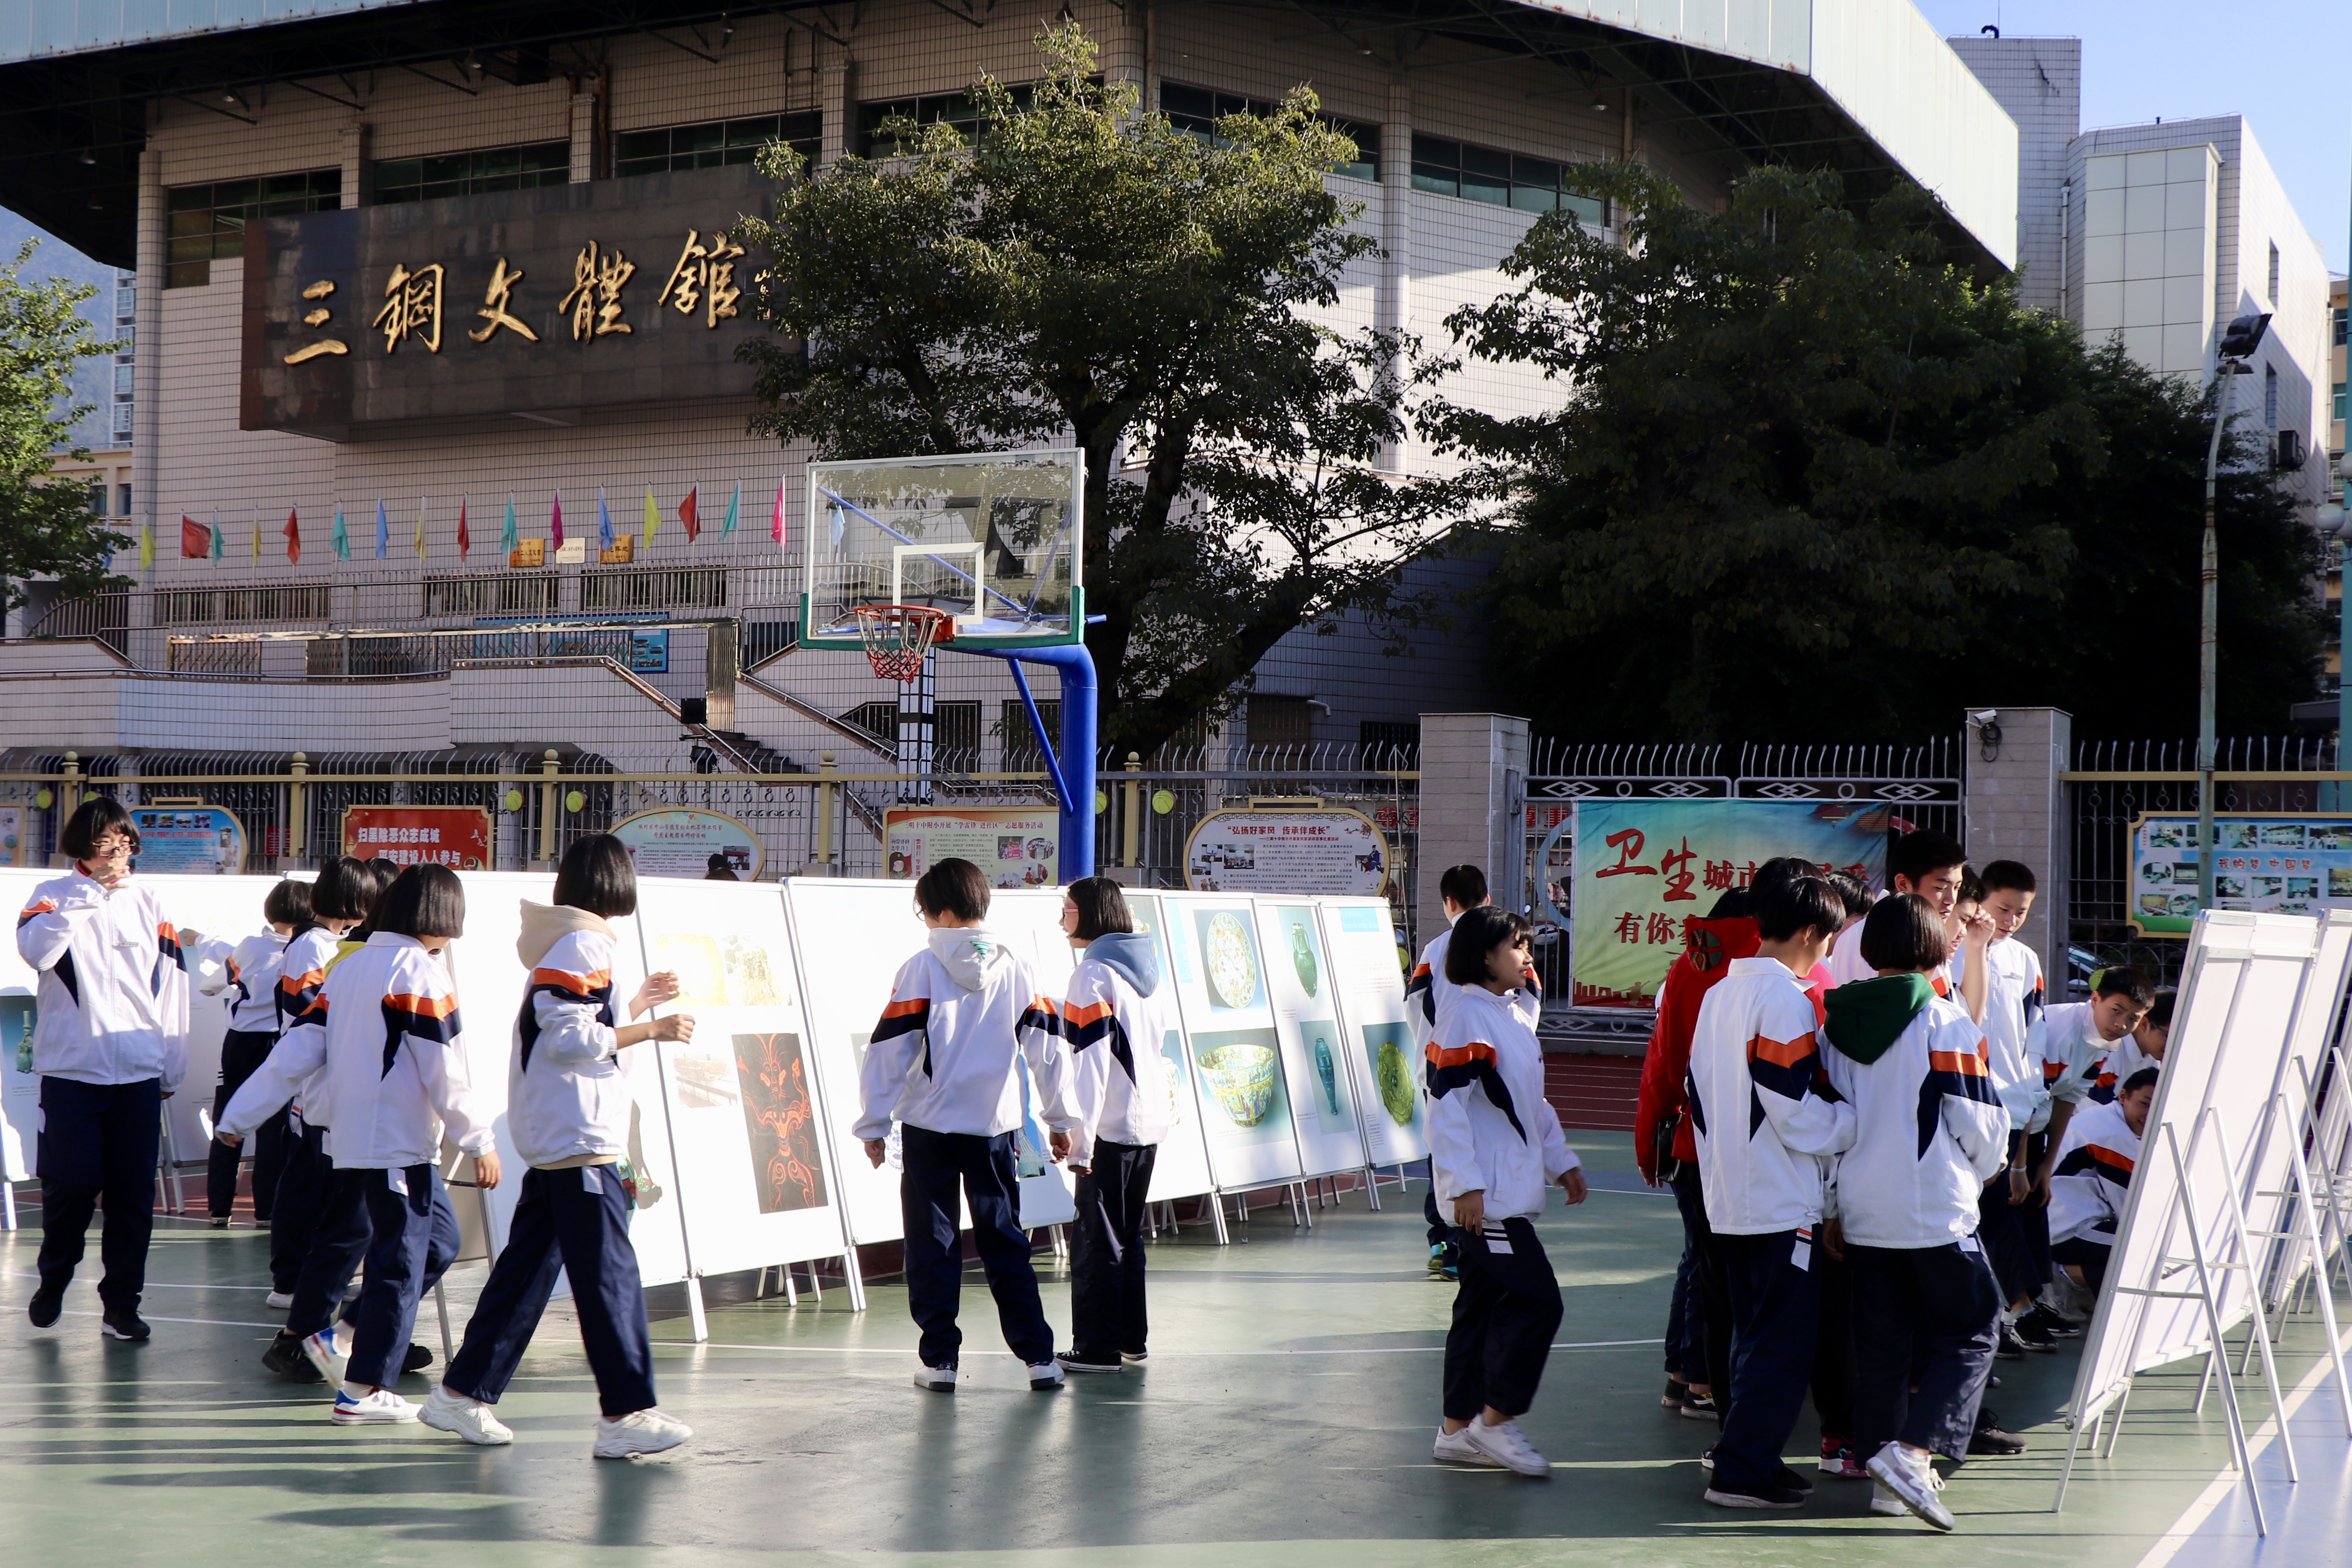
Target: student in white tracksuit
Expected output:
[251,981]
[2095,1164]
[568,1107]
[1495,1146]
[1118,1014]
[110,1045]
[945,1063]
[1929,1131]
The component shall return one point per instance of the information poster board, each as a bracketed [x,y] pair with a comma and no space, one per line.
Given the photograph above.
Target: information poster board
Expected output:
[1013,845]
[1304,994]
[14,851]
[457,837]
[1048,1192]
[681,844]
[1221,988]
[2267,863]
[188,840]
[1287,850]
[745,1113]
[1643,867]
[20,1091]
[1363,951]
[1180,1170]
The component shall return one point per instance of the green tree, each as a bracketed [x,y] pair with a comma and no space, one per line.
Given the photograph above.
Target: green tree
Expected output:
[1811,481]
[1085,272]
[45,529]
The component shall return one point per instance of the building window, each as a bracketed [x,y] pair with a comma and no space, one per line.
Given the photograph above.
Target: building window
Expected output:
[2270,395]
[471,173]
[957,108]
[208,222]
[955,737]
[718,142]
[1286,722]
[2273,296]
[2341,324]
[1499,179]
[1393,745]
[1021,752]
[98,498]
[2341,403]
[507,593]
[1197,109]
[879,719]
[122,501]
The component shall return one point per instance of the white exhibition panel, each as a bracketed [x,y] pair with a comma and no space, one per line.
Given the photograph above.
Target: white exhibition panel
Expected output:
[1237,1062]
[744,1110]
[1180,1170]
[1360,934]
[20,1093]
[1304,992]
[1048,1192]
[2269,1166]
[2238,991]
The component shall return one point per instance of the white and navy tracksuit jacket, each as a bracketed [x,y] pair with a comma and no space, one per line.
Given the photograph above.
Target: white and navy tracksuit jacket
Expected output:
[1929,1130]
[946,1054]
[2124,1059]
[384,1046]
[568,1092]
[1764,1129]
[2095,1160]
[112,993]
[2075,1054]
[1114,1018]
[253,973]
[2017,1034]
[1428,995]
[1491,1130]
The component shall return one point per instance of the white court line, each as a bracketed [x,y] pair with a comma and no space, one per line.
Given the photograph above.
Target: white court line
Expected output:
[209,1322]
[2167,1545]
[148,1285]
[1155,1355]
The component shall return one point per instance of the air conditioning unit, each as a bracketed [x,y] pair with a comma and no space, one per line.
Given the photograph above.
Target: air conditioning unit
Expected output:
[2289,455]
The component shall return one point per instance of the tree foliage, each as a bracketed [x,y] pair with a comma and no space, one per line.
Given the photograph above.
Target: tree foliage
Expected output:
[1811,481]
[45,529]
[1089,271]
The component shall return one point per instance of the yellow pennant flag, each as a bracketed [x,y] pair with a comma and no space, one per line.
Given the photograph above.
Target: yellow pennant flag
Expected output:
[420,527]
[257,536]
[652,517]
[147,548]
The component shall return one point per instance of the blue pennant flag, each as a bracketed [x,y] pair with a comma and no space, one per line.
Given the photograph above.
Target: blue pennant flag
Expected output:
[382,531]
[603,521]
[734,511]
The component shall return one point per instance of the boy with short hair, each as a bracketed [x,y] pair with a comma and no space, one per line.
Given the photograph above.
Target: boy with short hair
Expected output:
[1427,995]
[1933,867]
[2143,1047]
[945,1063]
[2095,1172]
[1764,1128]
[2012,1221]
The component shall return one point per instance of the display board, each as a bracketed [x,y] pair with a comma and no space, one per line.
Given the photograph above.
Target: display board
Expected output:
[680,843]
[1013,845]
[1180,1170]
[1363,944]
[20,1090]
[2270,1166]
[1291,850]
[14,851]
[1303,993]
[1048,1191]
[745,1114]
[2270,863]
[2238,992]
[1238,1073]
[193,840]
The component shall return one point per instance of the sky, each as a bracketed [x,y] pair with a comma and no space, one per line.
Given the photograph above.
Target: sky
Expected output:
[2286,64]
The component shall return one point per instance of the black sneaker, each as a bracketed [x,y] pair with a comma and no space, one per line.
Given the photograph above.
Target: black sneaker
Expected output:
[1677,1391]
[285,1358]
[1072,1361]
[1137,1356]
[417,1359]
[2032,1335]
[1793,1481]
[1700,1407]
[123,1324]
[2008,1347]
[46,1305]
[1990,1439]
[1769,1496]
[2056,1327]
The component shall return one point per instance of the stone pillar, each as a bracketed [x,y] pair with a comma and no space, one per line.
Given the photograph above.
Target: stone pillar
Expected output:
[1473,792]
[836,96]
[359,170]
[2013,807]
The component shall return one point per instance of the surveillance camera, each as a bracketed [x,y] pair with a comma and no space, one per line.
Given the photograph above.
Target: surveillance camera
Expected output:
[1984,716]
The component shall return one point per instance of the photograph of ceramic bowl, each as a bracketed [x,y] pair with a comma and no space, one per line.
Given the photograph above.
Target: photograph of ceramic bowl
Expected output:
[1395,1084]
[1232,960]
[1241,1080]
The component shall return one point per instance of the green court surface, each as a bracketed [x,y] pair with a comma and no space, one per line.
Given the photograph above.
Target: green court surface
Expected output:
[1284,1422]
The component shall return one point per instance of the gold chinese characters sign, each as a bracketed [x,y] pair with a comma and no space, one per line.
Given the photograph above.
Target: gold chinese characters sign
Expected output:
[609,292]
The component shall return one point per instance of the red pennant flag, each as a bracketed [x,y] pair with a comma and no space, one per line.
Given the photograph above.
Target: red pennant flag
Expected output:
[776,524]
[293,538]
[464,540]
[196,539]
[690,517]
[555,522]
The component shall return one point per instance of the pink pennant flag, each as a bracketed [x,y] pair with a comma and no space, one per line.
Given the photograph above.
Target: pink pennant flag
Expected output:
[776,526]
[555,522]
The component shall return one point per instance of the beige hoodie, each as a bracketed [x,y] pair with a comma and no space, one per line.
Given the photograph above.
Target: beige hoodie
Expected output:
[543,925]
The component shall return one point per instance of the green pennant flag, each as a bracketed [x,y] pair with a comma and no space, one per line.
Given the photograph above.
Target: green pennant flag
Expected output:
[342,536]
[508,540]
[734,511]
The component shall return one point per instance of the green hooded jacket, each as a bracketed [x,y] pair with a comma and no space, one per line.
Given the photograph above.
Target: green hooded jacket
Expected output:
[1867,1016]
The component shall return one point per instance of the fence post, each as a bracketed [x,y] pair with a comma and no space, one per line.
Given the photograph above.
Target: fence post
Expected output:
[69,788]
[297,839]
[1131,817]
[548,801]
[824,812]
[1474,788]
[2013,807]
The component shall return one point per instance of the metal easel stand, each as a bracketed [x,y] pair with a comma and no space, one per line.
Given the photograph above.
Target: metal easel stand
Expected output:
[1299,1216]
[441,1306]
[168,1169]
[2308,1236]
[8,1201]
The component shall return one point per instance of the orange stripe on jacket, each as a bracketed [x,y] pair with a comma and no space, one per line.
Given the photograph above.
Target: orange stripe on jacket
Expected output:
[1460,1056]
[1048,1004]
[1940,986]
[579,984]
[423,1007]
[47,906]
[1782,1053]
[1968,1064]
[295,985]
[1092,1013]
[2119,1160]
[900,1009]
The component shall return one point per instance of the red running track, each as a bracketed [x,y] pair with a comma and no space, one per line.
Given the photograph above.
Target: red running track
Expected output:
[1593,1092]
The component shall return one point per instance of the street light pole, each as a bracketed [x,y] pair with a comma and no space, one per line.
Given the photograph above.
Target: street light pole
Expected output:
[2240,340]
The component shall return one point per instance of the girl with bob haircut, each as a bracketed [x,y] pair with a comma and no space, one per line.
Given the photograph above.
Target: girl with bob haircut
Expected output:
[1116,1016]
[568,1112]
[1495,1146]
[1929,1130]
[110,1045]
[251,981]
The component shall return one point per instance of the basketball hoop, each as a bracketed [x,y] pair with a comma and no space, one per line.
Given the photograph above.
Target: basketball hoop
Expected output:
[897,636]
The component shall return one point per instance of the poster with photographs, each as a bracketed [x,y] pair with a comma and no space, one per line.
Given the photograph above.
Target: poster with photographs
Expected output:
[1314,1052]
[20,1091]
[1360,936]
[2268,863]
[744,1111]
[1238,1076]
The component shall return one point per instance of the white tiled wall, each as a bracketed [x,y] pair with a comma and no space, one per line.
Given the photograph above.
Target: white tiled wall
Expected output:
[2147,253]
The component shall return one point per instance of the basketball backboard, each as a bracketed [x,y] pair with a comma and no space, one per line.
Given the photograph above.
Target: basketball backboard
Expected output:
[993,539]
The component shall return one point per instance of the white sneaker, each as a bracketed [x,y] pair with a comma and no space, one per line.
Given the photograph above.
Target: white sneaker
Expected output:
[327,1354]
[1455,1448]
[1046,1375]
[646,1431]
[279,1301]
[1913,1481]
[369,1407]
[469,1418]
[938,1379]
[1886,1502]
[1508,1447]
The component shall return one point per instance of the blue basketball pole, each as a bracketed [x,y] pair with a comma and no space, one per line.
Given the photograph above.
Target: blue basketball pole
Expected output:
[1073,771]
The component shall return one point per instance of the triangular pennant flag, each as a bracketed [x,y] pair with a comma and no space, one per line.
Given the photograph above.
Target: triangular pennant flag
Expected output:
[689,517]
[653,517]
[382,530]
[464,540]
[147,548]
[343,535]
[508,540]
[734,509]
[293,539]
[420,527]
[555,522]
[776,526]
[603,521]
[257,533]
[215,550]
